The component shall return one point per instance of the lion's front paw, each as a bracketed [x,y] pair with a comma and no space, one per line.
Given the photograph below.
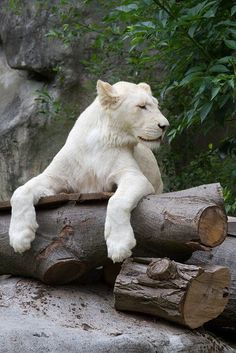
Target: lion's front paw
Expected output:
[21,234]
[120,242]
[22,241]
[118,252]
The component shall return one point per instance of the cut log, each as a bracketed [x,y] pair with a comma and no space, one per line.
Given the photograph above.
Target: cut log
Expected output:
[197,211]
[223,255]
[70,238]
[188,295]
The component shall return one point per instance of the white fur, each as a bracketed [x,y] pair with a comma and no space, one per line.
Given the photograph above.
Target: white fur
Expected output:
[103,150]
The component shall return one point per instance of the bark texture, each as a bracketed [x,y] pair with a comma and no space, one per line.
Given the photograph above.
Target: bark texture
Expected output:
[186,294]
[70,238]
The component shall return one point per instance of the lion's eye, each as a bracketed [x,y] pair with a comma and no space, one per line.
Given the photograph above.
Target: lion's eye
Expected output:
[142,106]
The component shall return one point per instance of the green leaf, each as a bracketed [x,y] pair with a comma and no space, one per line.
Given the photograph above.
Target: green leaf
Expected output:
[230,43]
[53,34]
[219,68]
[12,4]
[223,100]
[148,24]
[192,30]
[127,8]
[226,23]
[210,146]
[197,9]
[194,69]
[210,13]
[233,10]
[227,59]
[231,83]
[148,2]
[187,79]
[201,88]
[162,18]
[232,31]
[206,108]
[214,92]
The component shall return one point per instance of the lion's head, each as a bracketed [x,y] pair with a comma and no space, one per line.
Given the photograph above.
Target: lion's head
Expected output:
[133,112]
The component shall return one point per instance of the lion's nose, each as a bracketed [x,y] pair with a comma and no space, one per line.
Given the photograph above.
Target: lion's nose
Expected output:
[163,127]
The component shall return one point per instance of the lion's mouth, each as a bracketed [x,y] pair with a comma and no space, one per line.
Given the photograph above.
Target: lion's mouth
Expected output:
[158,139]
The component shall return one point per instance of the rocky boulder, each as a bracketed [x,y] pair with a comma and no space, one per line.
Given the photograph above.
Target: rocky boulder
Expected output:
[24,33]
[82,319]
[38,103]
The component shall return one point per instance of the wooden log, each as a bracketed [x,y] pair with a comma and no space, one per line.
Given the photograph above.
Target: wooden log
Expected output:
[186,294]
[223,255]
[70,238]
[197,211]
[111,271]
[60,199]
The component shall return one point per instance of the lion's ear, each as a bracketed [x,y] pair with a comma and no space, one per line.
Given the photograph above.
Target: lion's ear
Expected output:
[106,93]
[146,87]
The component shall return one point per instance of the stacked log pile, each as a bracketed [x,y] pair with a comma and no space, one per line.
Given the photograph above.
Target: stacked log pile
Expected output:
[181,265]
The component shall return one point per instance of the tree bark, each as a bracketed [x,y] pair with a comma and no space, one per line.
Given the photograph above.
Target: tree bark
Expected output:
[223,255]
[186,294]
[70,238]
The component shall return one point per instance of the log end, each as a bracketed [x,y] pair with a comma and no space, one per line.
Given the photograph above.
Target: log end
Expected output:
[207,296]
[62,272]
[212,226]
[57,265]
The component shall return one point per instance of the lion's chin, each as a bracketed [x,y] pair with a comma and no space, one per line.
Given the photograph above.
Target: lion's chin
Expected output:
[152,144]
[158,139]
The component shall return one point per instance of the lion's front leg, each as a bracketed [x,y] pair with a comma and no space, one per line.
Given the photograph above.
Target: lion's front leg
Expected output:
[23,219]
[119,234]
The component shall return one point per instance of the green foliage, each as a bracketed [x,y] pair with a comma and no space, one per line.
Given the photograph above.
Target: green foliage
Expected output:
[47,104]
[53,108]
[206,167]
[195,40]
[71,26]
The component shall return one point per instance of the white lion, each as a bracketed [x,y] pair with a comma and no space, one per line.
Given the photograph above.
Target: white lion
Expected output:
[109,147]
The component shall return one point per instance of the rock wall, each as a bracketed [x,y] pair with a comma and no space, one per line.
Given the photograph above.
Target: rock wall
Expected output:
[38,103]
